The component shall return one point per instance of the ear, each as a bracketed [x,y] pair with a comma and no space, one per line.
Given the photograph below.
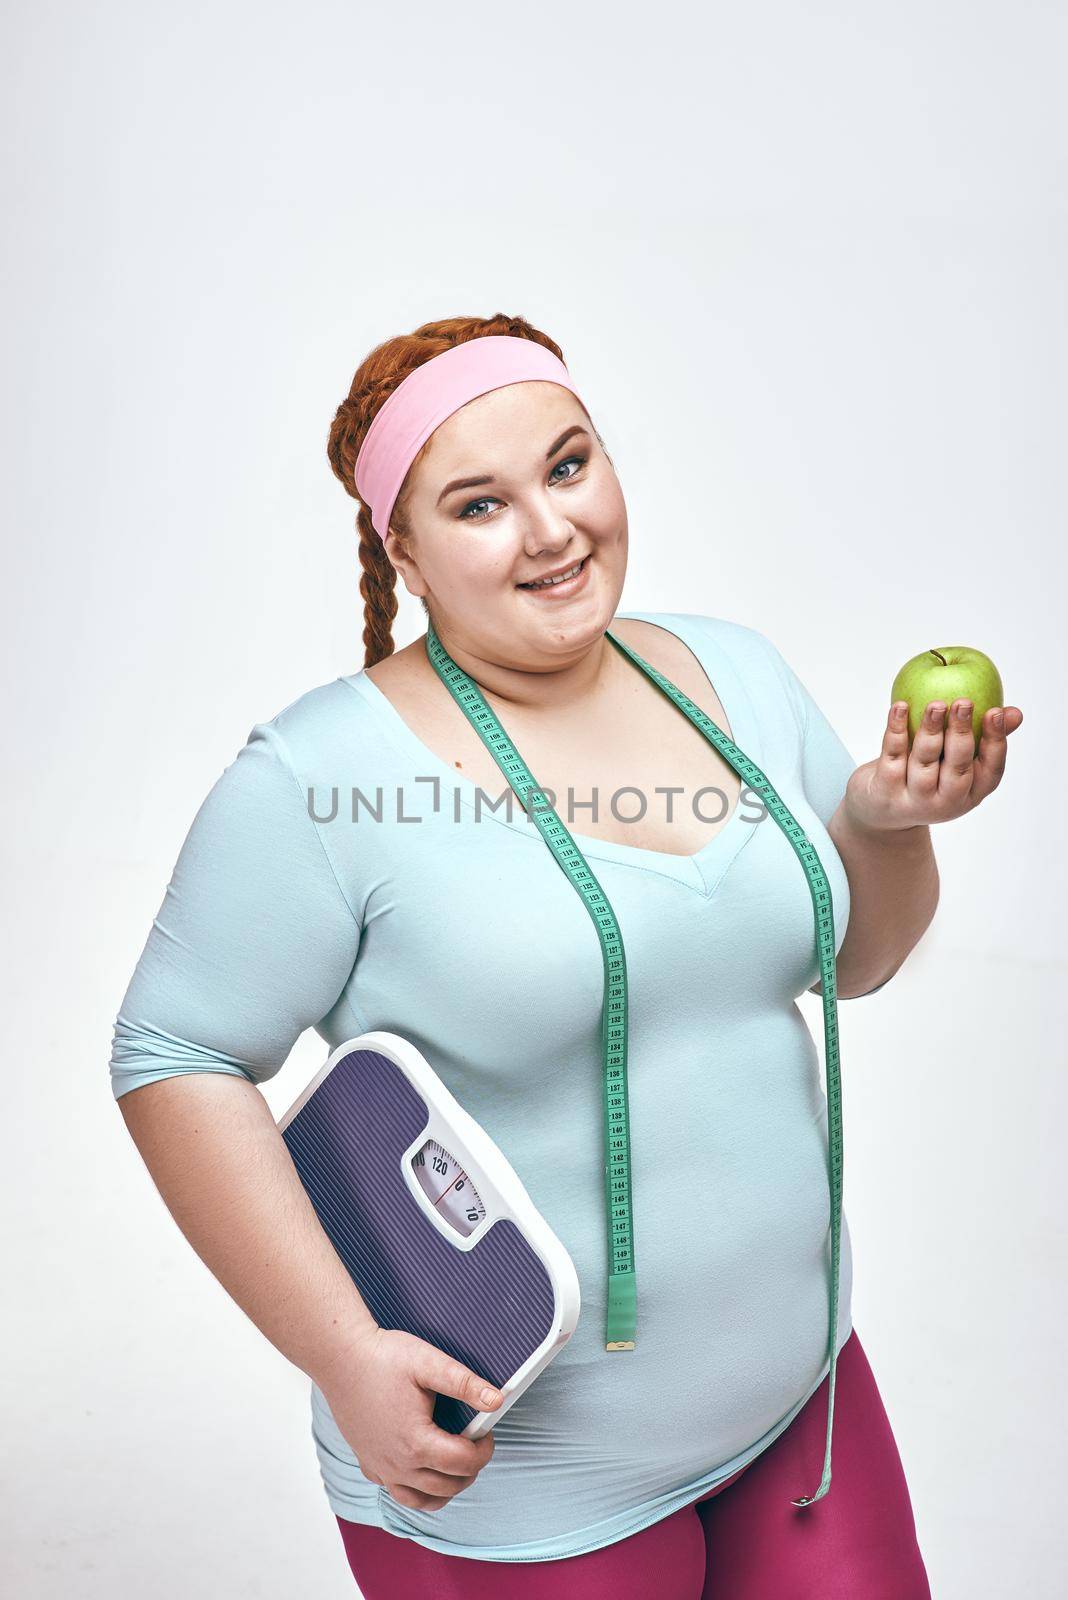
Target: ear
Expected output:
[404,562]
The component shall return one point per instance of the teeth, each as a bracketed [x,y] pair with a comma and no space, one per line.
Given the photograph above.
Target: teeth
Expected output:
[544,583]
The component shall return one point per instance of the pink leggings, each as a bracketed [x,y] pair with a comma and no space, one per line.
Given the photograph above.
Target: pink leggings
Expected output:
[742,1541]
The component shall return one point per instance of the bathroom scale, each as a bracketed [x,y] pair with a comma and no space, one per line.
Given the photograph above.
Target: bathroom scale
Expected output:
[431,1220]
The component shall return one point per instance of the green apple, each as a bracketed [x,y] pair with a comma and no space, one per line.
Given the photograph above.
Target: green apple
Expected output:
[953,672]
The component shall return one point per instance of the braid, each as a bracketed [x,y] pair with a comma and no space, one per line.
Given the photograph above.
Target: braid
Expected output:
[378,586]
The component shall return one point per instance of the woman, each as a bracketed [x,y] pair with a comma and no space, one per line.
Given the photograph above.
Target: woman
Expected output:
[432,908]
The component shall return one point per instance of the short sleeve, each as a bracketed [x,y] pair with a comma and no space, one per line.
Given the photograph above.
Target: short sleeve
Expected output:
[254,941]
[826,763]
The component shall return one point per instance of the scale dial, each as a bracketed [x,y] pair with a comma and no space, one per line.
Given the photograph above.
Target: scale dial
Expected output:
[448,1187]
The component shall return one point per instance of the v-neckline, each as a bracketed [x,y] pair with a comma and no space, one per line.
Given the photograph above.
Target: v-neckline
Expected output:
[702,871]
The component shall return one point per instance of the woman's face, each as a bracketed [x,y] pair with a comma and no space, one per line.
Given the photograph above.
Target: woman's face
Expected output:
[511,487]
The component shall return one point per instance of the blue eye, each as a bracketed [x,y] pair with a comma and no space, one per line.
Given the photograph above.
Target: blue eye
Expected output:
[566,463]
[485,500]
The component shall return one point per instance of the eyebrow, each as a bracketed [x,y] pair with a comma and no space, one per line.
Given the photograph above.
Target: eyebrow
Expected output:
[474,483]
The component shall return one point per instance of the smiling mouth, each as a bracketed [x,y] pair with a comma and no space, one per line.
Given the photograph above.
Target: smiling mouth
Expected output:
[561,583]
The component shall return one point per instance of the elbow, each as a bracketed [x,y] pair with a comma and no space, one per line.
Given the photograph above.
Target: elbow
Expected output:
[854,994]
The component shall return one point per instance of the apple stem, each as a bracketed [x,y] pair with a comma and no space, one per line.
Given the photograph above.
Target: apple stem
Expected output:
[941,658]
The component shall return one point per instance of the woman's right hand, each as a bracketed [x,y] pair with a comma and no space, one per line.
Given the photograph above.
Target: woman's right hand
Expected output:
[383,1403]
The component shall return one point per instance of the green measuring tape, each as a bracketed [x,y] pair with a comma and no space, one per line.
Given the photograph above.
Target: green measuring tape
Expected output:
[622,1300]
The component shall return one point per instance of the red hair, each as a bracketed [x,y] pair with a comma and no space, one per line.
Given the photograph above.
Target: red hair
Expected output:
[376,378]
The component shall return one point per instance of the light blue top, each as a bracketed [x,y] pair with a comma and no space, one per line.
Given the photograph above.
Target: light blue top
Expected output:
[456,929]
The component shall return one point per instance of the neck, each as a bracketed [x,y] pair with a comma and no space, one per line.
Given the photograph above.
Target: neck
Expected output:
[560,685]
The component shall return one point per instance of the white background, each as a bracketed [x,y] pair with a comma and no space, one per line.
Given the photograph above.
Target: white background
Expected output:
[807,266]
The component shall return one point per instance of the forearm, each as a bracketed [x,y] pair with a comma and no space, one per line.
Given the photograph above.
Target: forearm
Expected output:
[893,895]
[223,1171]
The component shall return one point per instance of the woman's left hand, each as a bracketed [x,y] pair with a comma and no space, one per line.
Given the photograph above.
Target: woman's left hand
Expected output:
[941,777]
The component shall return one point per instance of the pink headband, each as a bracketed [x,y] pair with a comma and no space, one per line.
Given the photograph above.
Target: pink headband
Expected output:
[405,421]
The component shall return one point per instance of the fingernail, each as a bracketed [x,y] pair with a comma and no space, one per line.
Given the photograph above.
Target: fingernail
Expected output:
[964,710]
[489,1396]
[999,720]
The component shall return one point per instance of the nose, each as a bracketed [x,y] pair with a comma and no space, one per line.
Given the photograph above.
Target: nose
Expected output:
[546,528]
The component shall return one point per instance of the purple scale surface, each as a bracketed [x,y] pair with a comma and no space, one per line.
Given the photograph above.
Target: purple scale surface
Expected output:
[490,1306]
